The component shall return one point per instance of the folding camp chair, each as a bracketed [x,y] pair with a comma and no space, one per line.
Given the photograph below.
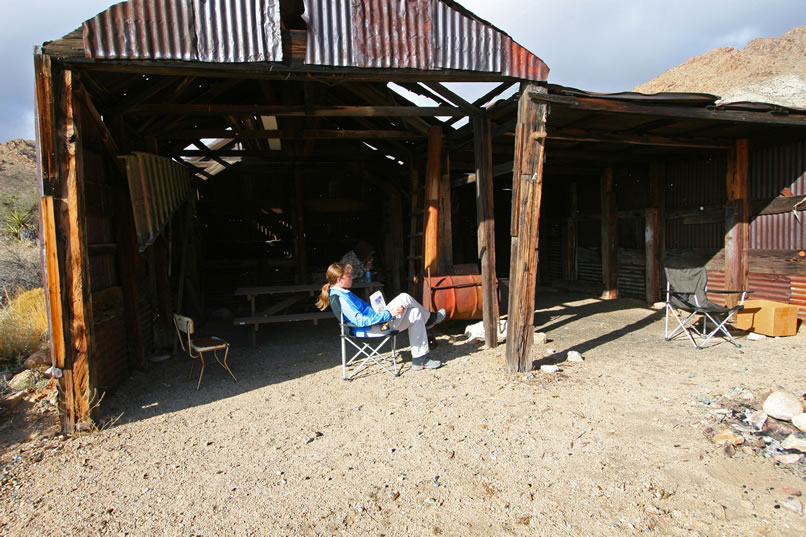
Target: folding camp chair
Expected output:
[367,347]
[687,301]
[196,347]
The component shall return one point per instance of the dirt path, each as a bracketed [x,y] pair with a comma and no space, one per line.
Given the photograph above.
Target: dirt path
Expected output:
[615,445]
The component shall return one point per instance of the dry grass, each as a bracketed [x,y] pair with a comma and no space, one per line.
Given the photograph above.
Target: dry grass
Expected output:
[23,326]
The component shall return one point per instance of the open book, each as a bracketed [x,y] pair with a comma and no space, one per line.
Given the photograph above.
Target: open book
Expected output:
[377,302]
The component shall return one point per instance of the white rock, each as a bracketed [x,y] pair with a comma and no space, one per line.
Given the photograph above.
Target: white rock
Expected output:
[752,336]
[783,406]
[794,505]
[574,356]
[548,352]
[799,421]
[794,441]
[757,419]
[25,380]
[549,368]
[540,338]
[789,458]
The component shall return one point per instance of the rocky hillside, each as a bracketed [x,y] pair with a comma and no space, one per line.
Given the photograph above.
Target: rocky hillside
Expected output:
[769,69]
[18,169]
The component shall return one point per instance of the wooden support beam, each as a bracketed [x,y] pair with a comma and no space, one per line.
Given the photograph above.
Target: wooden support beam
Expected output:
[485,218]
[394,244]
[503,168]
[487,97]
[609,236]
[655,233]
[433,177]
[307,134]
[584,135]
[527,188]
[299,229]
[737,217]
[444,92]
[297,110]
[666,110]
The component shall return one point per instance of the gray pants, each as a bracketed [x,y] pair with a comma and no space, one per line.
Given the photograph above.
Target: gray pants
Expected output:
[413,320]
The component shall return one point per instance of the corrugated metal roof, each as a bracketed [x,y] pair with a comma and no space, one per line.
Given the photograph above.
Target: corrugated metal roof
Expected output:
[223,31]
[412,34]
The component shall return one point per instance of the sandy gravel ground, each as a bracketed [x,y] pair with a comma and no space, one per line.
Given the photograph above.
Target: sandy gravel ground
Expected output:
[612,446]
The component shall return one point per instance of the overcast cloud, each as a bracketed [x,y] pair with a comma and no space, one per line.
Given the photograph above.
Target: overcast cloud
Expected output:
[593,45]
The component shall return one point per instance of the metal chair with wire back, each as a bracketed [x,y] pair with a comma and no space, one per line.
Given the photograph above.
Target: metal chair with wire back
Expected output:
[196,347]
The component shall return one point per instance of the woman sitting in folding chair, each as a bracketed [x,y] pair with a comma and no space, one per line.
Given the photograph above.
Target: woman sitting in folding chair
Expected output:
[402,313]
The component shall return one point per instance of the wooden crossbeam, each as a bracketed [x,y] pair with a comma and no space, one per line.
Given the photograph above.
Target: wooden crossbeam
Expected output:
[296,110]
[442,91]
[307,134]
[583,135]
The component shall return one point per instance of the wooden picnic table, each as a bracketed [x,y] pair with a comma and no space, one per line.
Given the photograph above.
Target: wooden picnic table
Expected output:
[277,312]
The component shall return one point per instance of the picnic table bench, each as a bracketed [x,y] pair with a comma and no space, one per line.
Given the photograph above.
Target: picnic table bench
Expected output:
[278,312]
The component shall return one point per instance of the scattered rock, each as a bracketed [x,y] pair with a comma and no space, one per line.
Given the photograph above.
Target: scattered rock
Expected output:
[793,505]
[757,419]
[540,338]
[795,441]
[574,356]
[25,380]
[778,427]
[783,406]
[38,360]
[752,336]
[728,436]
[549,368]
[430,501]
[799,421]
[548,352]
[789,458]
[728,449]
[529,376]
[790,491]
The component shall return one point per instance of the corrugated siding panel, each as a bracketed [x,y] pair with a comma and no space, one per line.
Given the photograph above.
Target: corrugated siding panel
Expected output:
[775,168]
[465,44]
[778,232]
[411,34]
[798,291]
[330,32]
[187,30]
[631,281]
[589,265]
[775,287]
[158,186]
[699,236]
[696,183]
[716,280]
[392,34]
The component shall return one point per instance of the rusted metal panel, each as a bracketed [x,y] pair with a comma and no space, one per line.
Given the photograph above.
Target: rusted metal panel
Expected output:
[158,186]
[775,287]
[716,281]
[778,232]
[631,281]
[697,236]
[412,34]
[223,31]
[798,294]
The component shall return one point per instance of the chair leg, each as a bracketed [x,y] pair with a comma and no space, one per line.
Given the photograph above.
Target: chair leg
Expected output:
[720,327]
[201,357]
[224,363]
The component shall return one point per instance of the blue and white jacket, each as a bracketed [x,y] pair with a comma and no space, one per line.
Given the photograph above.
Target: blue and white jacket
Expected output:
[358,312]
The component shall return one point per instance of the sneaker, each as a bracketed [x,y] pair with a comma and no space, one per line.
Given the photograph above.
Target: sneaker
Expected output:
[428,364]
[435,318]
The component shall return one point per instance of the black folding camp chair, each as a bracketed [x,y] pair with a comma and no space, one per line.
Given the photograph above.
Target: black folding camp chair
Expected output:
[367,347]
[687,302]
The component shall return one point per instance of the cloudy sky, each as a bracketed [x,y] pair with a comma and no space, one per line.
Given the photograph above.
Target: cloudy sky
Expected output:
[593,45]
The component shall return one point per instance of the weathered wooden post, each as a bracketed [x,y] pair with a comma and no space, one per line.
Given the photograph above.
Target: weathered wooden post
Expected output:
[654,233]
[527,186]
[432,180]
[609,236]
[737,217]
[485,217]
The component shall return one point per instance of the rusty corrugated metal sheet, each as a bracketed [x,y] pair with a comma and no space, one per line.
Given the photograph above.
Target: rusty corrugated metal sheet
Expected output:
[775,287]
[224,31]
[699,236]
[798,291]
[157,186]
[412,34]
[778,232]
[631,281]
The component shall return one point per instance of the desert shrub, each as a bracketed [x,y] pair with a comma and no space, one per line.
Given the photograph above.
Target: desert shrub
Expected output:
[23,326]
[19,266]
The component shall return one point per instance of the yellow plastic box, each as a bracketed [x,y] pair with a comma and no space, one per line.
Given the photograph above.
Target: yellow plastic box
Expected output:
[768,318]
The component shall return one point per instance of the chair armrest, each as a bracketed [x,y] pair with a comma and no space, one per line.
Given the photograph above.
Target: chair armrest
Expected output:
[729,292]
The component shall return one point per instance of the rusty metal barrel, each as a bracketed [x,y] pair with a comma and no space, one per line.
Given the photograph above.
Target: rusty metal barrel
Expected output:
[460,295]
